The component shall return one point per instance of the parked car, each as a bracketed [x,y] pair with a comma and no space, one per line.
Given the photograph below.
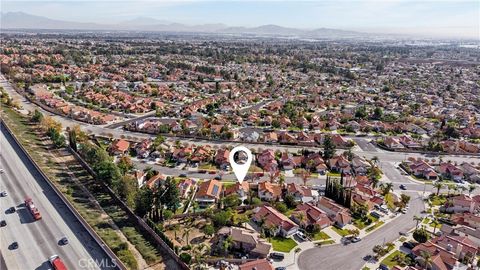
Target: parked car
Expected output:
[383,267]
[3,194]
[183,175]
[277,256]
[12,210]
[403,187]
[356,239]
[301,236]
[280,268]
[3,223]
[408,245]
[375,214]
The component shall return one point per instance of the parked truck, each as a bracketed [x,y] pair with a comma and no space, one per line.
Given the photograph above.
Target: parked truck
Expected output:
[57,263]
[32,209]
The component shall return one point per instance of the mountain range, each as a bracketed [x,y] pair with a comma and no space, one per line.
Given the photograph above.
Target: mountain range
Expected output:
[21,20]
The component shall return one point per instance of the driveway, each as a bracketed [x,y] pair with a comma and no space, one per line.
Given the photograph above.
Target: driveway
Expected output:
[351,257]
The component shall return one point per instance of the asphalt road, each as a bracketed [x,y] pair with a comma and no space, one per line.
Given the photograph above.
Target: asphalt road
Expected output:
[337,257]
[38,240]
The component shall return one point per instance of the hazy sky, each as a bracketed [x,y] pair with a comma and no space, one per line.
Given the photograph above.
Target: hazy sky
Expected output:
[432,17]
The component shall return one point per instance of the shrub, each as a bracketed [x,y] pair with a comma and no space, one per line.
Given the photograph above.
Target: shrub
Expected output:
[185,257]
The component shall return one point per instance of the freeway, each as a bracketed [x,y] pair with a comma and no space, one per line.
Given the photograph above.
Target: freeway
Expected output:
[38,240]
[351,257]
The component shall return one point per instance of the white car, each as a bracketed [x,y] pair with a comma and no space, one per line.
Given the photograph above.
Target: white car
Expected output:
[1,170]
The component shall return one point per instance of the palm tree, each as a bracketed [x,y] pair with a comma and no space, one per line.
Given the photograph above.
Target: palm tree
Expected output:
[199,252]
[226,244]
[300,216]
[471,188]
[426,259]
[417,219]
[374,181]
[186,233]
[386,188]
[438,186]
[450,187]
[375,160]
[175,229]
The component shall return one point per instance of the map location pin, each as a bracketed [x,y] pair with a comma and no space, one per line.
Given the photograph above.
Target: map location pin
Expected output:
[240,159]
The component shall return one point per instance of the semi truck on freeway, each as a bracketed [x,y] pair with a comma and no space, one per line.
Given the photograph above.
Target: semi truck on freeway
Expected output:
[32,208]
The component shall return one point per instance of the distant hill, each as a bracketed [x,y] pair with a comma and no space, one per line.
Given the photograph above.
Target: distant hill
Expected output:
[21,20]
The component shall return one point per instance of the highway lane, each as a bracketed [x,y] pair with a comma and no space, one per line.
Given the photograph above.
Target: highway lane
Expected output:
[351,257]
[38,240]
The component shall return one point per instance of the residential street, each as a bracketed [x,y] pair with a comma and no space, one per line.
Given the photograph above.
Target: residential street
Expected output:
[351,257]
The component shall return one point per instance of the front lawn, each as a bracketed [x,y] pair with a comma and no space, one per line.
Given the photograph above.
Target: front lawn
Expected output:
[373,227]
[389,261]
[438,200]
[283,244]
[341,232]
[390,201]
[321,236]
[325,242]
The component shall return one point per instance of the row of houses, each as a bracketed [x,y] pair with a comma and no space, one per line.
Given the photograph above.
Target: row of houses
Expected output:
[423,169]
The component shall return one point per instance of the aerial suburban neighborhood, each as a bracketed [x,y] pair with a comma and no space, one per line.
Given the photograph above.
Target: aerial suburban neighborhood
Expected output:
[119,148]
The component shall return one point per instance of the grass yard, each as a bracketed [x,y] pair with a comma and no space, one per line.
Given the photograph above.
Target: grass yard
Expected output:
[402,239]
[438,200]
[388,261]
[332,174]
[341,232]
[390,201]
[373,227]
[325,242]
[321,236]
[283,244]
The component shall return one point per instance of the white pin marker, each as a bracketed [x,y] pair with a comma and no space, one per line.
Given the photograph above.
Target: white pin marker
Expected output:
[240,159]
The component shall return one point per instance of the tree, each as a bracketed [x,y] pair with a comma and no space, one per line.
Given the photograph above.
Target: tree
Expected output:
[420,235]
[438,186]
[127,189]
[404,200]
[37,116]
[425,260]
[417,219]
[289,200]
[354,232]
[471,188]
[186,234]
[386,188]
[221,218]
[281,207]
[125,164]
[377,113]
[232,200]
[167,214]
[209,230]
[328,147]
[108,172]
[143,201]
[72,139]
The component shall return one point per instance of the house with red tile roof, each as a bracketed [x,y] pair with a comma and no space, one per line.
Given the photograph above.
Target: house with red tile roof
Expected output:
[221,158]
[119,147]
[337,213]
[266,159]
[300,193]
[461,203]
[245,240]
[340,164]
[450,171]
[185,186]
[269,217]
[312,215]
[447,250]
[155,180]
[209,192]
[261,264]
[240,189]
[269,192]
